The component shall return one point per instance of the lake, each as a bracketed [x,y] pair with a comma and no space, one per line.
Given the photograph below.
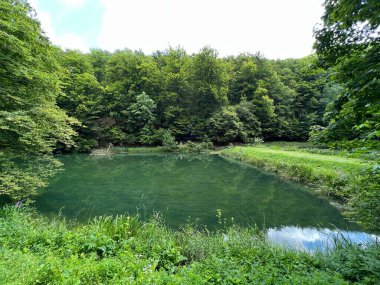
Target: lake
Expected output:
[186,188]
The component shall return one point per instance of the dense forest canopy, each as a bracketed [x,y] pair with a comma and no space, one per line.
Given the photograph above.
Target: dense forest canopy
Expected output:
[127,97]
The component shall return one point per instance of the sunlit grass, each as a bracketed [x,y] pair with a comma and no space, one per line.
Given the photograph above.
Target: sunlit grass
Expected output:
[333,172]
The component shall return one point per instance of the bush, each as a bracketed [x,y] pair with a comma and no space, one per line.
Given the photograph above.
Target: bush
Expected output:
[83,144]
[168,142]
[225,126]
[192,147]
[254,141]
[317,135]
[365,201]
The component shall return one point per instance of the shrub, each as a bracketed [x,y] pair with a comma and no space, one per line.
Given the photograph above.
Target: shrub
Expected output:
[365,201]
[85,144]
[192,147]
[317,135]
[168,142]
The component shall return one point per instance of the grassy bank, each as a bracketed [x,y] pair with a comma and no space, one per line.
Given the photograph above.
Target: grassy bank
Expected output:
[356,182]
[188,147]
[124,250]
[127,150]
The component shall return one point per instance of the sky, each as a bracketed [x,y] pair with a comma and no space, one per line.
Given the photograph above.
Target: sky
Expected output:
[276,28]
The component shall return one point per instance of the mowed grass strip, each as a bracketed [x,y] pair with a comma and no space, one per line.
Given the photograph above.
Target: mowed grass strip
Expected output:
[329,172]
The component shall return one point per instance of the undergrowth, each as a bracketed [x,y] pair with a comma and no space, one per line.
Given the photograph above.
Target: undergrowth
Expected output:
[125,250]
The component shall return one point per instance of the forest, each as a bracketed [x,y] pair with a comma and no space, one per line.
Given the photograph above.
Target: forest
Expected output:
[129,98]
[55,101]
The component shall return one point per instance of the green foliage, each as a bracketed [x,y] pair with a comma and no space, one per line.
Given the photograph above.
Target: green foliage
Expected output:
[141,113]
[365,200]
[308,92]
[168,142]
[138,150]
[355,264]
[264,110]
[254,141]
[225,126]
[85,145]
[317,135]
[170,145]
[245,71]
[234,123]
[243,97]
[30,121]
[251,126]
[124,250]
[193,147]
[81,96]
[346,178]
[175,99]
[227,99]
[99,59]
[209,77]
[349,42]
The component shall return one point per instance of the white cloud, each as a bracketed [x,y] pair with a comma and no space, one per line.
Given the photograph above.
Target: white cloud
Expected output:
[65,40]
[73,3]
[33,3]
[72,41]
[278,28]
[64,3]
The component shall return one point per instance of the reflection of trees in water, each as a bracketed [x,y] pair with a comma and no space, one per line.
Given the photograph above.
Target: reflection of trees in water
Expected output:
[181,187]
[21,175]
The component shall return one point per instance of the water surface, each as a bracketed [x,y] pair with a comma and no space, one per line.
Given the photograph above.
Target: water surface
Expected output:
[311,239]
[182,189]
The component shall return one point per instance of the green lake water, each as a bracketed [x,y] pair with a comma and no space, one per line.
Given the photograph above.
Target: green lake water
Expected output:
[192,188]
[182,189]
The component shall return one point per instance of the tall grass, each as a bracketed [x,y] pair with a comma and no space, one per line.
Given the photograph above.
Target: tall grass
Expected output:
[124,250]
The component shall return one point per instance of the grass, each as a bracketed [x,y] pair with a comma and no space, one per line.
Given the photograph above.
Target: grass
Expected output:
[359,153]
[355,181]
[140,150]
[332,171]
[188,147]
[124,250]
[127,150]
